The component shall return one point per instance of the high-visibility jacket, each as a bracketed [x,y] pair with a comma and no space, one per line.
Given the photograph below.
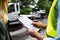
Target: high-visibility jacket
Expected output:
[52,21]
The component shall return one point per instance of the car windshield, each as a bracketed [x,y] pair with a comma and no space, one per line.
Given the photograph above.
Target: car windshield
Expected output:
[11,8]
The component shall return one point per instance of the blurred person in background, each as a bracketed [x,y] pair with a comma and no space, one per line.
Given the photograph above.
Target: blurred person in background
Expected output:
[53,26]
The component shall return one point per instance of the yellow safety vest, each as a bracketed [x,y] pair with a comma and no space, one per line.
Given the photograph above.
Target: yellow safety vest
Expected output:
[52,20]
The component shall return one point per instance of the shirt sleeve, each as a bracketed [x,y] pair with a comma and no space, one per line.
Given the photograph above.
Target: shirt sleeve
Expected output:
[49,39]
[4,35]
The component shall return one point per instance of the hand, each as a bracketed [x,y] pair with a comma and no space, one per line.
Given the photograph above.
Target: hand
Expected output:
[35,20]
[39,24]
[33,33]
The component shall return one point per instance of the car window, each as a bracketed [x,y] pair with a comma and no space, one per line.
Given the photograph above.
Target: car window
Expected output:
[17,7]
[11,8]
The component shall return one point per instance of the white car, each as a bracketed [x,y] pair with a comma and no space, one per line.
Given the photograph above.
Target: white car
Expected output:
[13,12]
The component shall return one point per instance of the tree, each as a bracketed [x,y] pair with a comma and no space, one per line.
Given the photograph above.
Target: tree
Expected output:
[44,4]
[25,9]
[14,1]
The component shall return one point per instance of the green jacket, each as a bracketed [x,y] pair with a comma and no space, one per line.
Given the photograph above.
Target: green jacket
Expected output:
[4,35]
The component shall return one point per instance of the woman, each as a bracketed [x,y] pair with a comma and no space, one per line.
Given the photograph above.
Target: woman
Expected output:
[3,10]
[4,35]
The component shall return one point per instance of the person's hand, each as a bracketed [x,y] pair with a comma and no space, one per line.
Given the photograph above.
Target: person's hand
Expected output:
[33,33]
[39,24]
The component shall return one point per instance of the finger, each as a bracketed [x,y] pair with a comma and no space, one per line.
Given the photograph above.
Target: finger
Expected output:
[34,23]
[35,20]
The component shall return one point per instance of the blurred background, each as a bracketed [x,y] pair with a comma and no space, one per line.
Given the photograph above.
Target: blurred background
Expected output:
[28,6]
[17,8]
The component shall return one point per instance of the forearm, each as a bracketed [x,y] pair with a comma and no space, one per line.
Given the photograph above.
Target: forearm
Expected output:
[39,37]
[40,24]
[35,34]
[43,25]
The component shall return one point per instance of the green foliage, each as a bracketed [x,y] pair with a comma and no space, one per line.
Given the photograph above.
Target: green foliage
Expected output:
[44,4]
[26,10]
[26,2]
[15,1]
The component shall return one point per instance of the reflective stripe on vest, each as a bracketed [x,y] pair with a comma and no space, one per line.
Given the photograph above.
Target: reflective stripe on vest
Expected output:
[52,20]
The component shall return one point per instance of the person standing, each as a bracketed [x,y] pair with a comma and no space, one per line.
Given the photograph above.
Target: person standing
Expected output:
[52,26]
[4,35]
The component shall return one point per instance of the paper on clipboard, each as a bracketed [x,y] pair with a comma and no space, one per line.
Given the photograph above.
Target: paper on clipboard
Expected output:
[27,23]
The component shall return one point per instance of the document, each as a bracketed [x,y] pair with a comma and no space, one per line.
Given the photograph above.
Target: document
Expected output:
[27,23]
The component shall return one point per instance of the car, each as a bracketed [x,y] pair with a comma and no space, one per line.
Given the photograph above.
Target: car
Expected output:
[13,13]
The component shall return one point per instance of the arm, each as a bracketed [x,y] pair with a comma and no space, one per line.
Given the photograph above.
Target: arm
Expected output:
[35,34]
[39,24]
[39,37]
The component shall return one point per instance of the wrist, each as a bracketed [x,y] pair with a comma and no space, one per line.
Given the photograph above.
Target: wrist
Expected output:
[39,36]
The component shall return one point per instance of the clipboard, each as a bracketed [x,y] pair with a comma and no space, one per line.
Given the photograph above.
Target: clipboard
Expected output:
[27,23]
